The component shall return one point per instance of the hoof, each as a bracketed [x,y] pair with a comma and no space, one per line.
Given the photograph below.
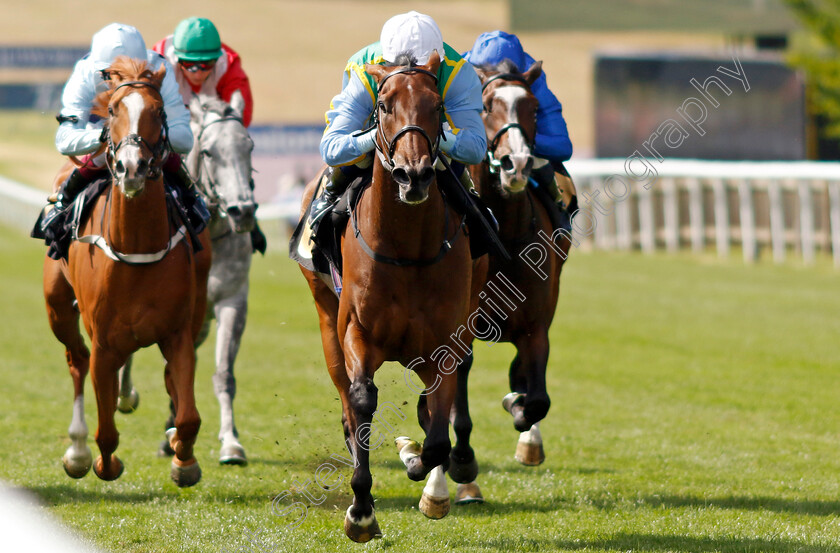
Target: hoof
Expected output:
[406,446]
[468,493]
[434,507]
[76,464]
[116,469]
[463,472]
[362,531]
[129,404]
[232,453]
[529,454]
[185,475]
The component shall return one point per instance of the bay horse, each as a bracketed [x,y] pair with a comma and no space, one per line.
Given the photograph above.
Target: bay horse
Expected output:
[407,273]
[135,276]
[502,180]
[220,163]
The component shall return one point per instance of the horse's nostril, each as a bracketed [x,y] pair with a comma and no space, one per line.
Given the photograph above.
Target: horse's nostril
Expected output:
[426,175]
[401,176]
[234,211]
[119,168]
[528,165]
[142,165]
[507,163]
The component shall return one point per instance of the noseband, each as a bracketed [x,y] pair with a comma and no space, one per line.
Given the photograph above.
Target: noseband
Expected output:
[133,139]
[494,142]
[434,147]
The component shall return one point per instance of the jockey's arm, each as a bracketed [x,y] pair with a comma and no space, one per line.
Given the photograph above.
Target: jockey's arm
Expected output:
[235,81]
[177,115]
[349,113]
[466,139]
[552,139]
[73,136]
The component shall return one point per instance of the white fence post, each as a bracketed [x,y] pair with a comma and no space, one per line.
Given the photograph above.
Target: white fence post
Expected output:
[695,213]
[777,220]
[672,215]
[745,197]
[834,217]
[721,217]
[647,232]
[806,221]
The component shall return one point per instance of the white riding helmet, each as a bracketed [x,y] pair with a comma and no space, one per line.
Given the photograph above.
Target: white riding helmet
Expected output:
[411,33]
[116,40]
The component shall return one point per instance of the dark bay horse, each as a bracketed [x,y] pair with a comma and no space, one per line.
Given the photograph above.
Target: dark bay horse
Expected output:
[502,181]
[407,285]
[136,277]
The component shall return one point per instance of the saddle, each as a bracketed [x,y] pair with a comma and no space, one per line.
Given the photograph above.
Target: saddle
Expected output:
[59,234]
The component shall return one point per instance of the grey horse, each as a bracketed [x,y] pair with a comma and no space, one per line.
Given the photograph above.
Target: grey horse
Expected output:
[220,164]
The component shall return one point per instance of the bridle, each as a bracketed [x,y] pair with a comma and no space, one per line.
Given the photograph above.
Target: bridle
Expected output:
[388,164]
[434,146]
[208,186]
[494,142]
[133,139]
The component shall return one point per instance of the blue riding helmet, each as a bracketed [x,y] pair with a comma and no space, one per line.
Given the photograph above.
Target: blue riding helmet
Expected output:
[490,50]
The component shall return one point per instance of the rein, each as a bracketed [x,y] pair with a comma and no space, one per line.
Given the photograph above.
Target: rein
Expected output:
[133,139]
[157,151]
[434,147]
[388,164]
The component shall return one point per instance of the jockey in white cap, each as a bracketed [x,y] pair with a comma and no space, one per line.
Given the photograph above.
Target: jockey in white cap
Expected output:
[416,35]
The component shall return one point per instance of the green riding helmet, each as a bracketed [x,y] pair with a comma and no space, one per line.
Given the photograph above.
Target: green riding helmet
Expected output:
[196,39]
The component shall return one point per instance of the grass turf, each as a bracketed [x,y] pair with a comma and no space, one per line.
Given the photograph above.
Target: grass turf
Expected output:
[694,409]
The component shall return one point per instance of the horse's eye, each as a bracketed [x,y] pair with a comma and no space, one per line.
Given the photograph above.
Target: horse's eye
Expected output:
[382,106]
[110,110]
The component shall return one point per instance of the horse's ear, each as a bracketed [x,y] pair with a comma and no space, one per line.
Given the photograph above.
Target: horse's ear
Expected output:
[434,62]
[533,73]
[482,74]
[376,71]
[195,108]
[237,103]
[159,74]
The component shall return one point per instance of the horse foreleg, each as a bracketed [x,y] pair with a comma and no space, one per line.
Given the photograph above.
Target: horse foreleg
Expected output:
[362,396]
[463,467]
[104,367]
[180,379]
[128,399]
[64,322]
[231,314]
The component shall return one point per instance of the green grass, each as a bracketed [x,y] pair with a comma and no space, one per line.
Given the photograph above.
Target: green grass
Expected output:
[694,410]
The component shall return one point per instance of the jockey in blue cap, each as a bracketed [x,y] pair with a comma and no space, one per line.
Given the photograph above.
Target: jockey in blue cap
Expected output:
[552,145]
[418,35]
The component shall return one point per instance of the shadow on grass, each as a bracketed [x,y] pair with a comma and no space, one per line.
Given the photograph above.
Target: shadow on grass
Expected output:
[776,504]
[61,494]
[685,544]
[639,543]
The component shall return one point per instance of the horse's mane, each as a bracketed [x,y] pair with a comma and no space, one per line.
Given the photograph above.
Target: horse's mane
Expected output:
[123,69]
[504,66]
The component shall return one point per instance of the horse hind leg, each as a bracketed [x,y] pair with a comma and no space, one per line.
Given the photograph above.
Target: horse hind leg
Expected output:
[529,402]
[64,323]
[231,315]
[128,399]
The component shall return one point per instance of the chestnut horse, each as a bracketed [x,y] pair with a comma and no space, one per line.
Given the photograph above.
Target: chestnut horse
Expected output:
[502,180]
[407,275]
[136,277]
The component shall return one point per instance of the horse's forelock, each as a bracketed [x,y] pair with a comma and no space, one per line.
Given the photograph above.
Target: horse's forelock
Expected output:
[406,59]
[504,66]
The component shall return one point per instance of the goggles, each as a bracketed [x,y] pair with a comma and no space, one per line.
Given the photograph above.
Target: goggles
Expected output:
[194,66]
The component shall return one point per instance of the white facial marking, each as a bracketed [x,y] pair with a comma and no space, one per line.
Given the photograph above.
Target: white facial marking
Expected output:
[510,95]
[130,155]
[134,104]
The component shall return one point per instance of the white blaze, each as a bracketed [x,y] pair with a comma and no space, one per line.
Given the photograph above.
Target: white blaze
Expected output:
[511,95]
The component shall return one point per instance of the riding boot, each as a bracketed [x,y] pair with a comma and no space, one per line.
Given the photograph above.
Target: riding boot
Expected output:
[197,210]
[58,202]
[337,183]
[561,190]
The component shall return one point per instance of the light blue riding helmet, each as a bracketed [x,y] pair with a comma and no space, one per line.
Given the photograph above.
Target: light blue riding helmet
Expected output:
[116,40]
